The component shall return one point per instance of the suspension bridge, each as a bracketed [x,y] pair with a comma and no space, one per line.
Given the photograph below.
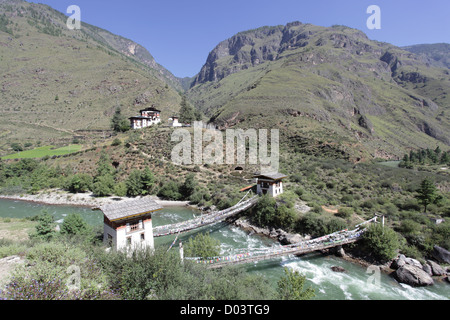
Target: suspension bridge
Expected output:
[338,238]
[205,220]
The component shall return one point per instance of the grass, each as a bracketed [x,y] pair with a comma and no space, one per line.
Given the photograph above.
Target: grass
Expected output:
[14,230]
[44,151]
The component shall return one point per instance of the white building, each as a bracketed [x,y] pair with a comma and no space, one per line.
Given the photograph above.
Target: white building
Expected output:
[175,122]
[128,224]
[148,117]
[269,183]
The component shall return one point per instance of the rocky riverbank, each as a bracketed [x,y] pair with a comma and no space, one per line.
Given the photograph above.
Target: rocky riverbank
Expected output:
[87,199]
[405,270]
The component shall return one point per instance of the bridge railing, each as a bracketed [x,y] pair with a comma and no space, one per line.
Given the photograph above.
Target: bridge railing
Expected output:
[250,255]
[203,220]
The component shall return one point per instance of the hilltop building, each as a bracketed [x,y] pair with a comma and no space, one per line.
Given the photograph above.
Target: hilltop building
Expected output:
[148,117]
[127,225]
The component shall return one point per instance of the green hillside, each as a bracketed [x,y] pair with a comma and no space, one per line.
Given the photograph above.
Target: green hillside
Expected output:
[329,86]
[55,81]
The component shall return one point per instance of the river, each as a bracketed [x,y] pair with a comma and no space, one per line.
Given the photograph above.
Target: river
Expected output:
[354,284]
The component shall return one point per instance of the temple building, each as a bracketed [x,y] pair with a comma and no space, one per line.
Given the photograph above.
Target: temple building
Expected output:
[148,117]
[269,183]
[174,122]
[128,224]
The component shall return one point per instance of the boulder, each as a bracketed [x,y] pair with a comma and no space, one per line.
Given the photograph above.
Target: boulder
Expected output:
[340,251]
[441,255]
[290,238]
[413,262]
[398,262]
[427,269]
[436,269]
[337,269]
[413,276]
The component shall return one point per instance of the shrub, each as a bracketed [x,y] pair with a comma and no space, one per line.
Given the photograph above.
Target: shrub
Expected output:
[285,217]
[291,287]
[74,224]
[170,190]
[116,142]
[202,245]
[344,213]
[80,182]
[381,241]
[264,213]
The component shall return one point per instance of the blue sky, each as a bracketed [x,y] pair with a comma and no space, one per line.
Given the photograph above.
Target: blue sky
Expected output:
[181,33]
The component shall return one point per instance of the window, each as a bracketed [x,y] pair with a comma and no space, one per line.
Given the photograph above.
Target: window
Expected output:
[142,237]
[128,241]
[134,226]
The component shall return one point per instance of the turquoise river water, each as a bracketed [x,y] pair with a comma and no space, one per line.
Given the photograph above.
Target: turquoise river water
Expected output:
[354,284]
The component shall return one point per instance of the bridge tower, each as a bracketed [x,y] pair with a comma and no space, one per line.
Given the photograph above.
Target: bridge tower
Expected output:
[269,183]
[128,224]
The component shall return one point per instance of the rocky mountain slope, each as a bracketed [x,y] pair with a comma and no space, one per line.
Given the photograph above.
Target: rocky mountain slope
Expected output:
[55,81]
[327,86]
[437,54]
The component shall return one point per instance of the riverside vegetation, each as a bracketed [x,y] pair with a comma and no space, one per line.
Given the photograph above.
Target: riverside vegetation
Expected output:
[114,275]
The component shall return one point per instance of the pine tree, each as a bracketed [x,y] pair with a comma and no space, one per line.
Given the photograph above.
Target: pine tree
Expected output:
[118,122]
[187,112]
[147,180]
[427,193]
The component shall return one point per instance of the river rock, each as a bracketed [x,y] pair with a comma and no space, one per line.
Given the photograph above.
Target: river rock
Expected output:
[436,269]
[290,238]
[427,269]
[398,262]
[413,262]
[340,251]
[441,255]
[337,269]
[413,276]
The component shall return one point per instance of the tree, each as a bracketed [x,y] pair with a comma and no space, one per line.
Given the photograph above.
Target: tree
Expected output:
[80,182]
[291,287]
[148,180]
[118,122]
[427,193]
[187,112]
[103,185]
[74,224]
[188,187]
[45,229]
[134,183]
[445,158]
[104,166]
[202,245]
[170,190]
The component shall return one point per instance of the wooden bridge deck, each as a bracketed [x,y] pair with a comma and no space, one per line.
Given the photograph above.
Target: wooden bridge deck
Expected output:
[204,220]
[338,238]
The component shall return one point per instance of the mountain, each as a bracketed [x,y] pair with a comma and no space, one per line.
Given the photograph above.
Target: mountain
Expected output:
[326,87]
[55,81]
[437,54]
